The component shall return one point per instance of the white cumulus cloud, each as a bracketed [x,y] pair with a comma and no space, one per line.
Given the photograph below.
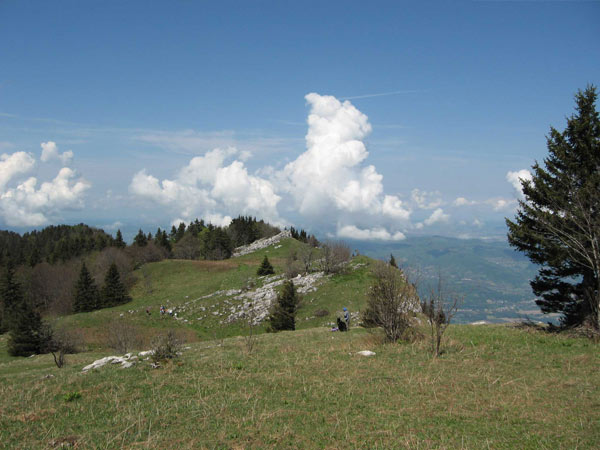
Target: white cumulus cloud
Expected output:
[462,201]
[515,178]
[426,200]
[50,151]
[353,232]
[438,216]
[14,164]
[27,205]
[208,188]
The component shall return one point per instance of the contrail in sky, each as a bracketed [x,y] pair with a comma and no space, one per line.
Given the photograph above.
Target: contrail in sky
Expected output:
[382,94]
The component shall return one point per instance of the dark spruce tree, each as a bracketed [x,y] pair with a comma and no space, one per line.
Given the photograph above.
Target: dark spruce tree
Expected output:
[119,242]
[26,335]
[283,313]
[265,268]
[140,239]
[11,296]
[558,224]
[393,261]
[86,292]
[113,291]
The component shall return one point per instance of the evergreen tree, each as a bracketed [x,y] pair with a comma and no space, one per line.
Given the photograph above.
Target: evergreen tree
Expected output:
[140,239]
[393,261]
[27,331]
[119,242]
[283,313]
[265,268]
[86,292]
[113,291]
[558,223]
[11,296]
[180,232]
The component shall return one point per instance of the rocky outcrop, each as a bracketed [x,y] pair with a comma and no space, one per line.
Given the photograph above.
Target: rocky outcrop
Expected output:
[261,243]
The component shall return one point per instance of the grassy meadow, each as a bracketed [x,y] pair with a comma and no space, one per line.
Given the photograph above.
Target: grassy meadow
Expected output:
[494,387]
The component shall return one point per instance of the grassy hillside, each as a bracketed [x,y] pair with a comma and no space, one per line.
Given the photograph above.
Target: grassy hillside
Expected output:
[182,284]
[495,387]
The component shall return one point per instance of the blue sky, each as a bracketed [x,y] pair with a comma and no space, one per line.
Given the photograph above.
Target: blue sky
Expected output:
[443,99]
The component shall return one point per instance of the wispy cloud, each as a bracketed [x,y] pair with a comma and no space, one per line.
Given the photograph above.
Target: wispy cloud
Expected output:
[383,94]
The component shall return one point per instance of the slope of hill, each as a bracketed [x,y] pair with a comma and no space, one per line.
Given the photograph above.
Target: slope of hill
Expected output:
[492,276]
[207,298]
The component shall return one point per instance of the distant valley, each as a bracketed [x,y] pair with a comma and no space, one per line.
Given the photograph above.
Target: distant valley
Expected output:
[493,278]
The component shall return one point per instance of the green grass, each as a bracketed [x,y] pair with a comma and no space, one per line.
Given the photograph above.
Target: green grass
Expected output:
[494,387]
[173,283]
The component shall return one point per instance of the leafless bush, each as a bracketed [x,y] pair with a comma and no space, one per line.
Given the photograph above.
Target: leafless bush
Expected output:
[50,286]
[166,346]
[392,302]
[306,255]
[335,255]
[188,247]
[293,267]
[146,254]
[123,261]
[321,313]
[123,336]
[440,308]
[61,342]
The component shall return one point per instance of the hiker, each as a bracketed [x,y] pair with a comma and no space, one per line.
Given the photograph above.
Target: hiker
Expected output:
[347,318]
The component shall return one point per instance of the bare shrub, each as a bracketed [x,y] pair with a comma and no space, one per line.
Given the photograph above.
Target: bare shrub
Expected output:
[166,346]
[306,255]
[146,254]
[293,267]
[335,256]
[50,286]
[123,336]
[188,247]
[321,313]
[61,342]
[440,308]
[124,264]
[392,302]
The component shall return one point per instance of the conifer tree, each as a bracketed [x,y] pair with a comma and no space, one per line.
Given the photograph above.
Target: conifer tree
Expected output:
[26,333]
[265,268]
[119,242]
[86,292]
[113,291]
[11,296]
[140,239]
[283,313]
[393,261]
[558,223]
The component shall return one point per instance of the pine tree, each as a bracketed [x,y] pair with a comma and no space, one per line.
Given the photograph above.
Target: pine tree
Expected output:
[265,268]
[283,313]
[393,261]
[140,239]
[113,291]
[11,296]
[86,292]
[558,224]
[27,331]
[119,242]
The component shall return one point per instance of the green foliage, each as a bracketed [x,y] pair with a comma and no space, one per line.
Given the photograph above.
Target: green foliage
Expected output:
[86,293]
[72,396]
[52,244]
[558,224]
[303,236]
[393,261]
[283,314]
[265,268]
[166,346]
[113,291]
